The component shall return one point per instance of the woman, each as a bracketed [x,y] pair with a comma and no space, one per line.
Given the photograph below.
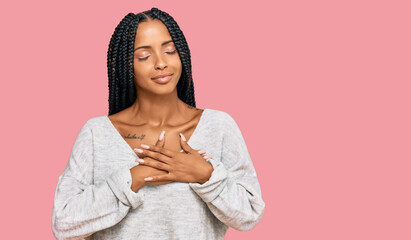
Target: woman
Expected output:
[142,171]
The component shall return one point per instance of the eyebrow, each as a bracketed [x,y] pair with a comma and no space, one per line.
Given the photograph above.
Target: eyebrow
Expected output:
[164,43]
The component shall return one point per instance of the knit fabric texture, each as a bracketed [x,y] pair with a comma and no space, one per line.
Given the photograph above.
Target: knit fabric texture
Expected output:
[94,201]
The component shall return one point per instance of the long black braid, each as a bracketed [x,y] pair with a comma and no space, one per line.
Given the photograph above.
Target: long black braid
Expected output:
[120,60]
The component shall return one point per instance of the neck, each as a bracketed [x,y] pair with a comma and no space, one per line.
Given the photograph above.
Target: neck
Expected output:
[157,110]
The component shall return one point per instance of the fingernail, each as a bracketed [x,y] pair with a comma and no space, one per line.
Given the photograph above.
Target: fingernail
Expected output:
[138,150]
[140,160]
[162,135]
[145,146]
[148,179]
[184,139]
[201,151]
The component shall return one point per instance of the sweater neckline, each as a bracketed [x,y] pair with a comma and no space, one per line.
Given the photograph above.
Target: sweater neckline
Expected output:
[124,142]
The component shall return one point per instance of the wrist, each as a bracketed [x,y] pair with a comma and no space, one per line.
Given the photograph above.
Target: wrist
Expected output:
[207,173]
[137,184]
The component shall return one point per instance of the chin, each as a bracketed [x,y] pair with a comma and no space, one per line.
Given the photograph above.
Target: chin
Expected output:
[165,88]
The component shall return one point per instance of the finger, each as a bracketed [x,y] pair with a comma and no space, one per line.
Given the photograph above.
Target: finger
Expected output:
[161,139]
[154,148]
[201,151]
[184,144]
[160,143]
[155,164]
[139,154]
[167,177]
[152,154]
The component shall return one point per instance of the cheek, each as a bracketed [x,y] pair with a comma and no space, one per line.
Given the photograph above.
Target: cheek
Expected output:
[176,63]
[141,70]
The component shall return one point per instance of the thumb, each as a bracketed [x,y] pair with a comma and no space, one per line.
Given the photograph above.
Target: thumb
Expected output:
[184,144]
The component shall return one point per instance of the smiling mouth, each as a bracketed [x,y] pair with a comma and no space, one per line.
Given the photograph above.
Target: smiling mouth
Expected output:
[163,80]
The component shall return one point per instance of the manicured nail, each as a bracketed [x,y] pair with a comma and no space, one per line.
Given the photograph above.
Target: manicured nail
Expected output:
[184,139]
[148,179]
[162,135]
[140,160]
[201,151]
[145,146]
[138,150]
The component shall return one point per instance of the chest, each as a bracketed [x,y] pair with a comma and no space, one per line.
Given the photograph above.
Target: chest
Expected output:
[136,136]
[114,145]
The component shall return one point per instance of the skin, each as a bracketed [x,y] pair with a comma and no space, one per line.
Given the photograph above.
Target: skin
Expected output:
[158,108]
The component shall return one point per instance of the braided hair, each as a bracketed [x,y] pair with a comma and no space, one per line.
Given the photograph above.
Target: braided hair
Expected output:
[120,60]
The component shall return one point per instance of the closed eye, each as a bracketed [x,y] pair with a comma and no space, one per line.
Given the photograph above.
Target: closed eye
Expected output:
[145,58]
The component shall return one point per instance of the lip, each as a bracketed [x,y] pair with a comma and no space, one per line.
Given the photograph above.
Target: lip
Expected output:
[162,80]
[162,75]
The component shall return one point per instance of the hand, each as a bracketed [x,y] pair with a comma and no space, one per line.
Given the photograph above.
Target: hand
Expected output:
[141,171]
[188,166]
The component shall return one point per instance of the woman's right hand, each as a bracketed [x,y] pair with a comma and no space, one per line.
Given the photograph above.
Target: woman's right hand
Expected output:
[139,172]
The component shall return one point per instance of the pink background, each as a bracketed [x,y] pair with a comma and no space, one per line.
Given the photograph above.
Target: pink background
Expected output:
[319,89]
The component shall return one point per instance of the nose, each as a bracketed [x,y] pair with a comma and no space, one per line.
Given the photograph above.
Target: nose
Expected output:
[160,63]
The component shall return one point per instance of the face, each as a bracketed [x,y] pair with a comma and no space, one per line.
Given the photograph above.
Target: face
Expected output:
[155,54]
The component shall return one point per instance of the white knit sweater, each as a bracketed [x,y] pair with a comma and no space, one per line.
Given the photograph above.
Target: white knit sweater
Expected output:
[94,200]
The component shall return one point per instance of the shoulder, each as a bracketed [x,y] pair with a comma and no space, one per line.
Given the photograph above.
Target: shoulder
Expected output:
[92,122]
[222,118]
[228,128]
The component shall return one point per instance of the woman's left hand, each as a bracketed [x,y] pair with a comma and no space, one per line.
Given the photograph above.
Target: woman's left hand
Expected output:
[188,166]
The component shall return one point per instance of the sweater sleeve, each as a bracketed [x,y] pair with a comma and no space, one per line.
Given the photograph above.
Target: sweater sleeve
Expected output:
[82,208]
[233,192]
